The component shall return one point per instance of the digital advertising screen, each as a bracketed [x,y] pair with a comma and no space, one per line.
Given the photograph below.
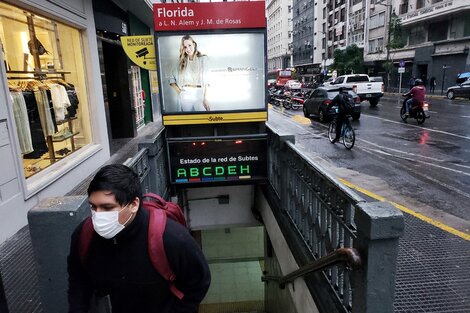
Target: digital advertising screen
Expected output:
[217,160]
[225,73]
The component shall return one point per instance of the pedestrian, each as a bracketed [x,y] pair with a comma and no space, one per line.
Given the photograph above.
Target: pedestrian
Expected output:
[411,82]
[117,262]
[432,84]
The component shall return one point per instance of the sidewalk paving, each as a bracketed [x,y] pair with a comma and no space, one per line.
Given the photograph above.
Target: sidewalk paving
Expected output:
[433,270]
[17,264]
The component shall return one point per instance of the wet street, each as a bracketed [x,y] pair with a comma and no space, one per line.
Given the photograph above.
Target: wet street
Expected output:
[423,167]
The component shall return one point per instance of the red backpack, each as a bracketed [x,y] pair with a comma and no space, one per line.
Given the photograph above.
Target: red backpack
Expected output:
[159,210]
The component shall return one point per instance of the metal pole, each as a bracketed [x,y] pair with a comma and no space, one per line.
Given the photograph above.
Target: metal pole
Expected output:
[389,6]
[399,87]
[443,77]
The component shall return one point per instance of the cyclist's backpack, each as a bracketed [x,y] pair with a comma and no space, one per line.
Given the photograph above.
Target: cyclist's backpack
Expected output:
[348,102]
[158,210]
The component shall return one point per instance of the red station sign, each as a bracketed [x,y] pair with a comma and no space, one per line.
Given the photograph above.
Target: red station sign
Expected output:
[210,15]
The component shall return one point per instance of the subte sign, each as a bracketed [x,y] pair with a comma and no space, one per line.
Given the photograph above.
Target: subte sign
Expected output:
[211,15]
[217,160]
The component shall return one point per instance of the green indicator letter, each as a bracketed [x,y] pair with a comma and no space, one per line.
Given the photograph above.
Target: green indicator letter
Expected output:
[207,171]
[194,172]
[244,169]
[181,172]
[219,170]
[232,170]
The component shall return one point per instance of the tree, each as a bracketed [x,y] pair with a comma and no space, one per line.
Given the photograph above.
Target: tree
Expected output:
[397,39]
[349,60]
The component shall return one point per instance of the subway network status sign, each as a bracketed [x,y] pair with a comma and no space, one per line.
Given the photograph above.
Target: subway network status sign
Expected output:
[217,160]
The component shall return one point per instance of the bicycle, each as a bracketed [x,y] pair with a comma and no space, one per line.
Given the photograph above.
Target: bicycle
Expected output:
[347,132]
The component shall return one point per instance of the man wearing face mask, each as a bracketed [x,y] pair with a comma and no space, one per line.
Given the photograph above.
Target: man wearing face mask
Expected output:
[117,262]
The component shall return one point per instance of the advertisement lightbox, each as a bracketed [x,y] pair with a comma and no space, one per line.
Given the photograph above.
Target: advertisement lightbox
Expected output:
[212,69]
[230,74]
[212,160]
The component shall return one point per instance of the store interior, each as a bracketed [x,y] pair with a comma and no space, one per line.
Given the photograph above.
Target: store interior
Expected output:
[44,65]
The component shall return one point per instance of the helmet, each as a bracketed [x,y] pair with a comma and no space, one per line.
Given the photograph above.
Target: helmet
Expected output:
[342,90]
[419,82]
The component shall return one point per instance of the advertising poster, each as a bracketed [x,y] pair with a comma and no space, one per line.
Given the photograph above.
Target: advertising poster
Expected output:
[225,72]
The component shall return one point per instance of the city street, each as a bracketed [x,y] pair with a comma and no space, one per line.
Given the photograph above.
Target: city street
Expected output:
[423,167]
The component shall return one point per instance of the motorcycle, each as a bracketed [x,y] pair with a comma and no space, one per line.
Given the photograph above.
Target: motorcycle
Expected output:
[419,112]
[297,100]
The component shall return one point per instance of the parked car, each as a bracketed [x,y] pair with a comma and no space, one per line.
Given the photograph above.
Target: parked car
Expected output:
[460,90]
[328,81]
[364,87]
[293,84]
[462,77]
[319,99]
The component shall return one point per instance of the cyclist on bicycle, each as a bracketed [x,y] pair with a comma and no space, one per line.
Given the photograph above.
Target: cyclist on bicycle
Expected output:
[342,101]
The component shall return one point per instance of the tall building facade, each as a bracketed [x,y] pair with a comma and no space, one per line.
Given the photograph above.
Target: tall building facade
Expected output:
[437,39]
[302,38]
[279,33]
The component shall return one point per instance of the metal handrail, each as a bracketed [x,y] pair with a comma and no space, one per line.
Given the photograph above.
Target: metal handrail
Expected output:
[350,256]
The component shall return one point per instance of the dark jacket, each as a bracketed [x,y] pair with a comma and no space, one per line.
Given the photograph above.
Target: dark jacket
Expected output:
[341,100]
[120,267]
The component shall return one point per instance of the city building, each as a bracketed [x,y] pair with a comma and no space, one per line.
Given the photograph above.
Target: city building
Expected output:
[279,33]
[437,39]
[302,38]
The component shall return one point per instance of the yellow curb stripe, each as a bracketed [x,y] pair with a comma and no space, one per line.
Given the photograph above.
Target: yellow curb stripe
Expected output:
[409,211]
[301,120]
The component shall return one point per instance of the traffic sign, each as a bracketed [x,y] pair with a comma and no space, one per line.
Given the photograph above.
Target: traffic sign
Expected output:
[401,70]
[402,63]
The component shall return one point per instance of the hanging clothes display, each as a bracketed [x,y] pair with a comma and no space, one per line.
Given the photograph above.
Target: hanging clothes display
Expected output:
[48,123]
[60,100]
[35,125]
[22,122]
[73,97]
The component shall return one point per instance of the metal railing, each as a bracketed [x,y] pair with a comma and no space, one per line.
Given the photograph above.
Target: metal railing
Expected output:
[324,214]
[151,165]
[343,256]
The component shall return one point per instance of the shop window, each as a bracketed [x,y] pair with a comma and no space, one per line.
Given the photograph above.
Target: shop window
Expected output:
[44,66]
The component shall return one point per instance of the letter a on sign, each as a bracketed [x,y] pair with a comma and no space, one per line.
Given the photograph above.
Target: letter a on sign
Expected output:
[141,51]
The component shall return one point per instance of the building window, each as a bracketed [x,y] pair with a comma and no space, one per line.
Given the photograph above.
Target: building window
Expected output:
[419,4]
[44,63]
[417,35]
[377,20]
[438,31]
[403,7]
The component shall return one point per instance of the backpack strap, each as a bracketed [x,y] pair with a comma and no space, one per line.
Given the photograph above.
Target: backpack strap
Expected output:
[157,223]
[86,235]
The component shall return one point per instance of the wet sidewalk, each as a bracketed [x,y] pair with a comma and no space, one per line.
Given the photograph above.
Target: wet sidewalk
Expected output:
[17,264]
[433,274]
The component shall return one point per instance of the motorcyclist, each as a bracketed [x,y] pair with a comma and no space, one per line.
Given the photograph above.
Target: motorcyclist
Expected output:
[416,94]
[341,100]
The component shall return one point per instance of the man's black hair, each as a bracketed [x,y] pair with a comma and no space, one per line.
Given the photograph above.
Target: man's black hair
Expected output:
[120,180]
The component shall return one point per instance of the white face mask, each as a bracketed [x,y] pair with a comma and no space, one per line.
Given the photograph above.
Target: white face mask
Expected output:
[106,224]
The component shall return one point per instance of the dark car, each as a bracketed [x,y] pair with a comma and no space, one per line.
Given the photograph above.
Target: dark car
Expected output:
[461,90]
[319,99]
[462,77]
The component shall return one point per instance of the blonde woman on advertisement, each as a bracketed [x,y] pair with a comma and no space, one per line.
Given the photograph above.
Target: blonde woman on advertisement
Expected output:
[189,80]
